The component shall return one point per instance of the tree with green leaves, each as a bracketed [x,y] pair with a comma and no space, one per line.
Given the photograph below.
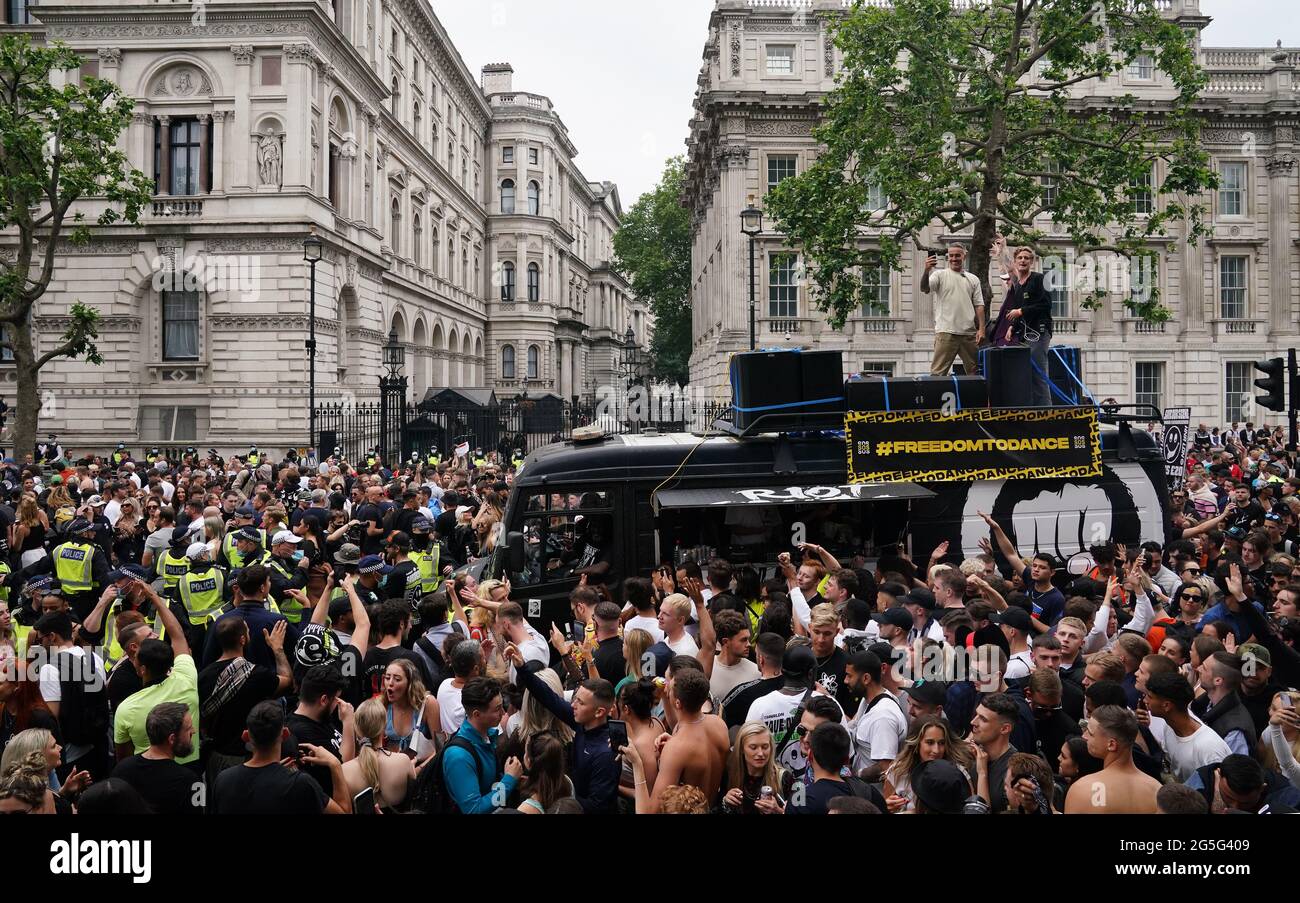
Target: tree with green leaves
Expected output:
[956,116]
[652,250]
[58,146]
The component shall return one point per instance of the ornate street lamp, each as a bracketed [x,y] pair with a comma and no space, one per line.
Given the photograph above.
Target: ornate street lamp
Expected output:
[313,249]
[751,224]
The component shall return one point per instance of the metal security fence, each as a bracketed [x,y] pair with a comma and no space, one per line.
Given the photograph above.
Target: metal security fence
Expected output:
[513,423]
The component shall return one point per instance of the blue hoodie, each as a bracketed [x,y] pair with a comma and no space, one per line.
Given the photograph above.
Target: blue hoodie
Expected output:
[461,776]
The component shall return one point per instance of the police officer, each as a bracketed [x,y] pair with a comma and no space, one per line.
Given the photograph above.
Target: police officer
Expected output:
[517,460]
[372,458]
[79,565]
[153,455]
[404,580]
[289,567]
[174,564]
[432,458]
[247,548]
[254,458]
[49,451]
[230,549]
[479,460]
[202,592]
[426,554]
[120,455]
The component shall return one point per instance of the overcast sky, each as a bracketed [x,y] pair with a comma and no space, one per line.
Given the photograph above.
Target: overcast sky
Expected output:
[622,72]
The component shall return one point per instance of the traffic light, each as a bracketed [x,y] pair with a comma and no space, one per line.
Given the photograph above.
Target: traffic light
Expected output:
[1273,384]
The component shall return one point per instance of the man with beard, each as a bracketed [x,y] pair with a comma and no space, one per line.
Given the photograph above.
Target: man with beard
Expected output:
[168,788]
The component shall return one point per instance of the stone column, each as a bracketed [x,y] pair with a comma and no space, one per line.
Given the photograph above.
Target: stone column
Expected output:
[242,153]
[1279,169]
[205,131]
[1192,277]
[297,139]
[165,165]
[566,368]
[110,59]
[218,152]
[140,142]
[521,266]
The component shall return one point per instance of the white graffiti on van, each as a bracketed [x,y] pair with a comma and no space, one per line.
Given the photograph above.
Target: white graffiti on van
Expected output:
[1064,521]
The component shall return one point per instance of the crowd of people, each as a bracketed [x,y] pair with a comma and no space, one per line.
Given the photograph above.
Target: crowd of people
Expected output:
[238,637]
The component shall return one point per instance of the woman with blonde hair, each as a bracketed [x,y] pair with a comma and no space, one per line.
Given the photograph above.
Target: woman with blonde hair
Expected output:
[535,718]
[928,738]
[1279,745]
[214,534]
[389,774]
[751,768]
[25,791]
[27,534]
[37,741]
[635,644]
[412,716]
[59,498]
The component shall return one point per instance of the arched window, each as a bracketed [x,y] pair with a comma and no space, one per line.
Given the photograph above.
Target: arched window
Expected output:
[534,199]
[396,101]
[464,265]
[433,249]
[180,325]
[415,119]
[508,196]
[417,245]
[508,362]
[534,354]
[433,137]
[534,283]
[507,281]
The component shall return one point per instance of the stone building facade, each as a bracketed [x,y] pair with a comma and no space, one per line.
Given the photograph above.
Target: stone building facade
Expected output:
[1235,298]
[358,119]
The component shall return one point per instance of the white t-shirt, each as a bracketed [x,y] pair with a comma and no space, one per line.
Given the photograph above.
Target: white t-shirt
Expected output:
[112,512]
[684,645]
[648,624]
[533,649]
[956,295]
[879,732]
[1019,665]
[1186,754]
[777,711]
[450,707]
[799,606]
[726,678]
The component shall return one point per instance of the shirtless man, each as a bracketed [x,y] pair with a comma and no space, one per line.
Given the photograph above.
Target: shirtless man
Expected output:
[1119,788]
[695,753]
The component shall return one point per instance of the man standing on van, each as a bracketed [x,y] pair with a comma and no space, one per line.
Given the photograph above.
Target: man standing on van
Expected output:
[958,312]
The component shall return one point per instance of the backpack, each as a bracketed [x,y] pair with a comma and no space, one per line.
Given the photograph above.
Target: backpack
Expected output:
[441,669]
[83,712]
[430,795]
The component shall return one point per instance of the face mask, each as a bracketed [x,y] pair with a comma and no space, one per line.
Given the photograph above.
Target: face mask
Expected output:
[420,543]
[297,556]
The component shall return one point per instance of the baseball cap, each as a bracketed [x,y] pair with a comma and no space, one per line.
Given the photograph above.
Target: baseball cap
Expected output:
[421,525]
[941,786]
[374,564]
[304,495]
[1236,533]
[1254,650]
[1274,517]
[799,661]
[128,572]
[921,597]
[284,536]
[95,501]
[347,554]
[1014,617]
[928,692]
[196,551]
[895,617]
[399,540]
[40,583]
[249,534]
[245,511]
[80,525]
[339,607]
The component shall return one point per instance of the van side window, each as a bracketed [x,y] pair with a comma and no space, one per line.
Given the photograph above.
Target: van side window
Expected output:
[567,534]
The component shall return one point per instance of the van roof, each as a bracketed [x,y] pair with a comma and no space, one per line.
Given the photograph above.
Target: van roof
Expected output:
[657,456]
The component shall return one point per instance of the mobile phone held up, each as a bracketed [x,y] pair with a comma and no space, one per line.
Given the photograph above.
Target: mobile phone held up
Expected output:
[617,735]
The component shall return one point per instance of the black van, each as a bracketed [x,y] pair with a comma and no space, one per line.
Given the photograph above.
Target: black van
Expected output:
[635,502]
